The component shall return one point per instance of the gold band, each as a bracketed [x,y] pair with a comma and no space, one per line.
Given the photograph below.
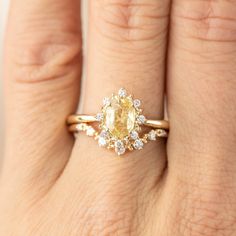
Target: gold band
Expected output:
[159,124]
[76,119]
[120,121]
[74,128]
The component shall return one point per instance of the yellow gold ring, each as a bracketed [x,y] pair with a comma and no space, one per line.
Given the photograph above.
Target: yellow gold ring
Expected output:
[120,124]
[75,119]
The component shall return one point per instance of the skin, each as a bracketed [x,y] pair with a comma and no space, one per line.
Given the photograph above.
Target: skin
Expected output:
[53,185]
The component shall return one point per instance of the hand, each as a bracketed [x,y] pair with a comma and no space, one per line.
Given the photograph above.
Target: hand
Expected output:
[53,186]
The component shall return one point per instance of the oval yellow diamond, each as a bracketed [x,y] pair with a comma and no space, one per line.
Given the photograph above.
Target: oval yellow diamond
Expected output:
[119,117]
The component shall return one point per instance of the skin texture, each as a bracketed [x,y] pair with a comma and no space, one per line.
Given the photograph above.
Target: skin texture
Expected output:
[52,185]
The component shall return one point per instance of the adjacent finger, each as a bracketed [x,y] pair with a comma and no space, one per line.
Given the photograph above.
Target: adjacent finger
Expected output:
[201,103]
[43,64]
[202,81]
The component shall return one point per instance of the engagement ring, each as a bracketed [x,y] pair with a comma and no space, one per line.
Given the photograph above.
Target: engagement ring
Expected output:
[120,124]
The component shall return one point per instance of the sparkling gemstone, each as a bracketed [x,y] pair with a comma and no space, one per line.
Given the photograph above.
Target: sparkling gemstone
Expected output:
[90,131]
[122,93]
[80,127]
[119,147]
[138,144]
[99,117]
[119,117]
[162,133]
[137,103]
[119,143]
[103,134]
[120,150]
[152,135]
[102,142]
[141,119]
[106,101]
[134,134]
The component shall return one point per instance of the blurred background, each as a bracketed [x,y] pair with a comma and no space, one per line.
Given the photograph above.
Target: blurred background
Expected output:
[3,15]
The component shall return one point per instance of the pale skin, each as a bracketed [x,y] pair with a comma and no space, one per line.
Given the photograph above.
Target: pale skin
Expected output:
[53,185]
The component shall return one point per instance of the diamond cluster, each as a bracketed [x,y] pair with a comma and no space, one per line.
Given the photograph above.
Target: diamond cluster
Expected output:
[119,123]
[120,120]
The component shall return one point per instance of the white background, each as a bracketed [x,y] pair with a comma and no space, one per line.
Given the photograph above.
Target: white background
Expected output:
[3,13]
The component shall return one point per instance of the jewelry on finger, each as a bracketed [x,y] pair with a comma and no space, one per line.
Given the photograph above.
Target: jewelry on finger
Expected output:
[120,122]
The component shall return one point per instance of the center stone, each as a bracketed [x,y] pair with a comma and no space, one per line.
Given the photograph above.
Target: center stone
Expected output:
[120,117]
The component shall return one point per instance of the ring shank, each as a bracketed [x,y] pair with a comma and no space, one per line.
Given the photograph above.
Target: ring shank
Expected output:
[159,124]
[75,119]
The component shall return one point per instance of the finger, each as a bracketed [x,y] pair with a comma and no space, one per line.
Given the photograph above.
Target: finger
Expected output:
[201,92]
[42,73]
[127,45]
[202,78]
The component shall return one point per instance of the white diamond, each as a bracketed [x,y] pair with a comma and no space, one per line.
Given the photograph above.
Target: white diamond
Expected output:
[134,134]
[120,150]
[103,134]
[90,131]
[106,101]
[102,142]
[119,147]
[152,135]
[138,144]
[141,119]
[99,117]
[162,133]
[119,143]
[80,127]
[137,103]
[122,93]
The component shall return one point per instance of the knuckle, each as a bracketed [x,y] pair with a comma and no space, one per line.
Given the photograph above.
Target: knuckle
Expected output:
[125,20]
[111,211]
[113,217]
[109,223]
[43,57]
[207,212]
[93,221]
[207,21]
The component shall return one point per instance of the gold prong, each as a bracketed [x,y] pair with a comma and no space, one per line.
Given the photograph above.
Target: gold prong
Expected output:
[79,123]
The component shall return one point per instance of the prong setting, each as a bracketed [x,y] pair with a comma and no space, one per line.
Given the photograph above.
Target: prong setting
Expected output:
[134,118]
[119,124]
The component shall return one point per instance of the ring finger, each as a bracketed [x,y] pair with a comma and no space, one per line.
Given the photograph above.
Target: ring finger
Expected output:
[127,46]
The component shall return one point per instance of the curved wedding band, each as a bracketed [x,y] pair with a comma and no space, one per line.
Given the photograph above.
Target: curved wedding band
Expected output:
[120,124]
[75,119]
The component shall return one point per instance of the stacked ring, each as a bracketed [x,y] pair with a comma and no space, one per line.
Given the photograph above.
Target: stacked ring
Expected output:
[120,124]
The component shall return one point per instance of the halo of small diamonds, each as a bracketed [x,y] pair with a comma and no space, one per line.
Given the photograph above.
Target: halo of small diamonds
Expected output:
[120,122]
[127,138]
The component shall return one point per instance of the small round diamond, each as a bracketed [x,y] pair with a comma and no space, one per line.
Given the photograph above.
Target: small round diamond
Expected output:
[138,144]
[90,131]
[102,142]
[141,119]
[134,134]
[122,93]
[162,133]
[120,150]
[137,103]
[80,127]
[119,143]
[152,135]
[99,117]
[104,134]
[106,101]
[119,147]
